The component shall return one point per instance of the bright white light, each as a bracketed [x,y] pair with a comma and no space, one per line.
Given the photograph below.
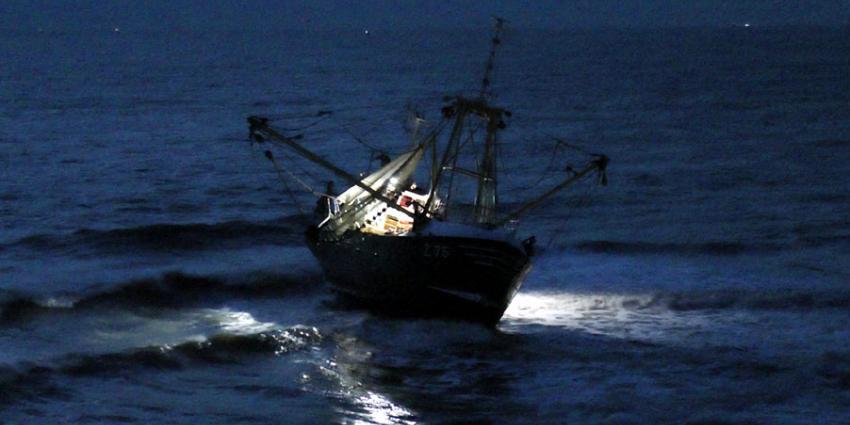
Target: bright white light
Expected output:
[747,25]
[619,316]
[371,406]
[380,410]
[237,322]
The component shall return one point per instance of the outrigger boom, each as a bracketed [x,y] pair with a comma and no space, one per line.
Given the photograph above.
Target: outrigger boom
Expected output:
[259,130]
[599,164]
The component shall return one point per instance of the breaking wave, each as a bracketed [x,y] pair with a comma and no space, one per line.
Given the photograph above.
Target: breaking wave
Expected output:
[195,236]
[171,290]
[32,381]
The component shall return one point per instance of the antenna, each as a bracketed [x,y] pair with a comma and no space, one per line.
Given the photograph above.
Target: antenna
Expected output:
[485,82]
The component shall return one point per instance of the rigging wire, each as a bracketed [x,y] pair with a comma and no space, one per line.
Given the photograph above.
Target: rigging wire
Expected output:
[280,171]
[549,169]
[294,177]
[384,106]
[337,110]
[458,149]
[360,140]
[303,171]
[286,187]
[562,142]
[323,115]
[583,202]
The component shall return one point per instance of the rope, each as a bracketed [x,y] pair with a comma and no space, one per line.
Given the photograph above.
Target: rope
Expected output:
[289,192]
[292,175]
[305,185]
[299,169]
[549,167]
[323,115]
[561,142]
[583,202]
[548,170]
[359,139]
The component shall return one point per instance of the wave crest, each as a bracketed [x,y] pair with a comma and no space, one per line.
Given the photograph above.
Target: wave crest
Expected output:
[171,290]
[31,381]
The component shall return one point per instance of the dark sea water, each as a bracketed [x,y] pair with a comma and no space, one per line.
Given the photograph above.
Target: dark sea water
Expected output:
[152,268]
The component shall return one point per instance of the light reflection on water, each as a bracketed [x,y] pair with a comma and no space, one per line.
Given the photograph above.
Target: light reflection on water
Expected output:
[619,316]
[236,322]
[368,406]
[361,403]
[195,325]
[378,409]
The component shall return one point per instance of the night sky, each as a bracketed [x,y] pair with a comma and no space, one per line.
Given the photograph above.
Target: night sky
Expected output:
[330,14]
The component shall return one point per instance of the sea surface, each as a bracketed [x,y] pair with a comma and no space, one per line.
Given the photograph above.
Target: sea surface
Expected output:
[152,268]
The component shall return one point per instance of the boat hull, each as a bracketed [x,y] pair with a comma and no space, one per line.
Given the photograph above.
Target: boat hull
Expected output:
[424,276]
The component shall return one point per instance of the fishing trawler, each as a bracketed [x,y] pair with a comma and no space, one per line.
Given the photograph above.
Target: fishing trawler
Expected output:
[388,245]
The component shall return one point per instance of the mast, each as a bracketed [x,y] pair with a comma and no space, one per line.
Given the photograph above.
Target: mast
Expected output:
[485,82]
[486,198]
[460,109]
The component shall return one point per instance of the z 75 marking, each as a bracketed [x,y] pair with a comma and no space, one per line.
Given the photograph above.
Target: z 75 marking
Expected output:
[436,251]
